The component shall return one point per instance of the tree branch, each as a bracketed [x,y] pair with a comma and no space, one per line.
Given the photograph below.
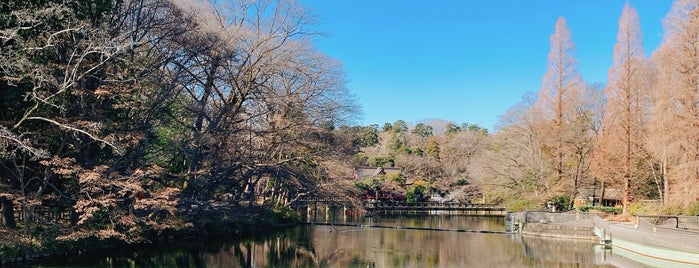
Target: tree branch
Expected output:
[117,149]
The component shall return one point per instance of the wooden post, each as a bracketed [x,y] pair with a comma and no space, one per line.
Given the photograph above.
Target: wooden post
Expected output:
[27,211]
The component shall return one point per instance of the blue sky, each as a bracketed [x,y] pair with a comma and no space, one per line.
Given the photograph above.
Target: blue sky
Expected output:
[465,60]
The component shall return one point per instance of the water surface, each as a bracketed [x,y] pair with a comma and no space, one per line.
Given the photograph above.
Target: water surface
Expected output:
[355,246]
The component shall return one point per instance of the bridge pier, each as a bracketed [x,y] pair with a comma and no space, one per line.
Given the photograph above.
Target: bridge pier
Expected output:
[344,213]
[315,212]
[327,213]
[309,213]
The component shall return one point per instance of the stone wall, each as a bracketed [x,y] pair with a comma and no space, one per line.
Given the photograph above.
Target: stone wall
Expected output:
[556,225]
[559,231]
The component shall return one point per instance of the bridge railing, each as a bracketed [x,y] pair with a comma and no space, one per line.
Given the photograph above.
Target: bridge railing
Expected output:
[432,205]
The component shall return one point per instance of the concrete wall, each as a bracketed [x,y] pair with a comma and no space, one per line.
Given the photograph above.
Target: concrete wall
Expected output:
[560,231]
[556,225]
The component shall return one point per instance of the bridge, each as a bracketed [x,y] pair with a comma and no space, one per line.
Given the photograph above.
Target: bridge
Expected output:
[397,207]
[434,207]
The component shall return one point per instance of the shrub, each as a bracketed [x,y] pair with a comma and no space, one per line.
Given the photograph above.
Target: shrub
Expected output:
[286,215]
[644,208]
[614,210]
[372,183]
[584,208]
[8,251]
[462,182]
[381,162]
[521,205]
[672,210]
[417,191]
[396,177]
[561,202]
[692,209]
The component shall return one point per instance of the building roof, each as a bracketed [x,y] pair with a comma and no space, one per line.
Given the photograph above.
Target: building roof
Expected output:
[364,172]
[609,193]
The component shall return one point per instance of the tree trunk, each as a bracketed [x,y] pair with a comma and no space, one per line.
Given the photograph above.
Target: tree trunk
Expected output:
[27,218]
[74,217]
[8,213]
[601,196]
[666,184]
[252,188]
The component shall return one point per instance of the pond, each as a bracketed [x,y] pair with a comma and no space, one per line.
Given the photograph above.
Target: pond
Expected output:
[356,245]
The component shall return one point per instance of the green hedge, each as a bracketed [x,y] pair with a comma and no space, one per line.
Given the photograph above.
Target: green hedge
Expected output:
[614,210]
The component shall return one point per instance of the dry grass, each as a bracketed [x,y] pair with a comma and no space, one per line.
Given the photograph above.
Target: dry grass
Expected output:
[619,218]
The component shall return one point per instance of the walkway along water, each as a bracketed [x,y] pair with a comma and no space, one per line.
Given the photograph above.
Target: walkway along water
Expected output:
[657,245]
[649,240]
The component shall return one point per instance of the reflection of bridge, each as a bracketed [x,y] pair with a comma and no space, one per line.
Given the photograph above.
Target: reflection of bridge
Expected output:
[461,208]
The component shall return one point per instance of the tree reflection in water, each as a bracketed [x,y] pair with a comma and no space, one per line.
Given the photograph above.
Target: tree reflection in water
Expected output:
[351,246]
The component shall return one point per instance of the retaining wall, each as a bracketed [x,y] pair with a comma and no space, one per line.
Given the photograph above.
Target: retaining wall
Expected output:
[548,224]
[554,230]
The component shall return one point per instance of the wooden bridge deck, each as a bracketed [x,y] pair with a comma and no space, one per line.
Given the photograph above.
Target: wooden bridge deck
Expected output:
[432,206]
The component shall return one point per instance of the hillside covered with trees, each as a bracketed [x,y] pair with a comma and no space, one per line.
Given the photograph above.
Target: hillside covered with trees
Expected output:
[121,119]
[636,134]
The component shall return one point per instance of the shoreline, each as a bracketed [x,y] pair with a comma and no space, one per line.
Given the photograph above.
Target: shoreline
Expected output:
[234,222]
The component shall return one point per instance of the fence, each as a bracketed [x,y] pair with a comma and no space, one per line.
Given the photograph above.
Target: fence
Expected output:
[42,213]
[690,223]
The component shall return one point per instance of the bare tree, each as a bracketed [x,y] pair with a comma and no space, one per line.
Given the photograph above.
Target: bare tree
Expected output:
[622,141]
[583,127]
[252,85]
[559,102]
[514,164]
[105,103]
[459,149]
[675,113]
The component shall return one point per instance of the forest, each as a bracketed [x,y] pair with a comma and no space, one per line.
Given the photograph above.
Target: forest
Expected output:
[120,119]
